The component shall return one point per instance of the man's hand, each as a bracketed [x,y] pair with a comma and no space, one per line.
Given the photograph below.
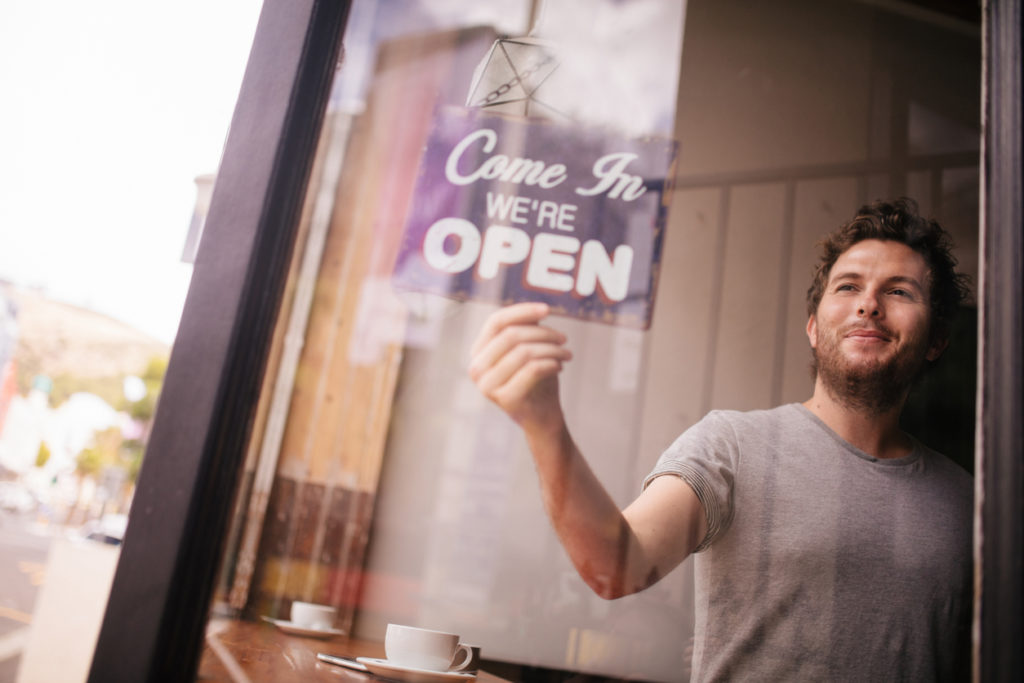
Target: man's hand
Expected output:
[515,362]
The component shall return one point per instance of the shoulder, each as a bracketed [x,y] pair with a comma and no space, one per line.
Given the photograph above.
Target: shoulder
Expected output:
[951,475]
[757,422]
[742,417]
[722,435]
[943,493]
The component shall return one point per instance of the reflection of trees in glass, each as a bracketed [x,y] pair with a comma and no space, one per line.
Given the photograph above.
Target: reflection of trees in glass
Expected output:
[111,389]
[153,377]
[112,461]
[43,454]
[91,459]
[65,385]
[109,448]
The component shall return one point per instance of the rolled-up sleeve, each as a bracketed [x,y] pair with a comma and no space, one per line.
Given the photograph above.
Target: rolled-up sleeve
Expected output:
[705,457]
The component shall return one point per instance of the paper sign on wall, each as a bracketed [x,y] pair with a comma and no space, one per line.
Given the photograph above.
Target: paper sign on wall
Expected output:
[509,209]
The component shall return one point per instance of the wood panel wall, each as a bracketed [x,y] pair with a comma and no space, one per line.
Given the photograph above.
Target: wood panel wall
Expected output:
[314,525]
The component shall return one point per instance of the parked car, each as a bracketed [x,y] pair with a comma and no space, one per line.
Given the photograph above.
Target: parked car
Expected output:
[107,529]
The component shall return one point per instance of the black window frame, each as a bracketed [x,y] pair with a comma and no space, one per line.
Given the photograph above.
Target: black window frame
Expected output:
[156,613]
[158,606]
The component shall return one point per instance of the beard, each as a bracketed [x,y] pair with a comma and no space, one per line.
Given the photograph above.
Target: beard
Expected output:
[872,386]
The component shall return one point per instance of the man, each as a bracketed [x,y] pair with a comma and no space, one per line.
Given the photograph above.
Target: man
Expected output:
[830,544]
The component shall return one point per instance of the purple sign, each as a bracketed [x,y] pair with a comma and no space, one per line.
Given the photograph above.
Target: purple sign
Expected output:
[509,209]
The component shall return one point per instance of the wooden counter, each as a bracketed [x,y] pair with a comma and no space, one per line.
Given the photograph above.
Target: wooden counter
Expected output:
[237,650]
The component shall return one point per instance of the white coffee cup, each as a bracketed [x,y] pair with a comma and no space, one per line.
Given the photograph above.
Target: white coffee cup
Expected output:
[313,616]
[420,648]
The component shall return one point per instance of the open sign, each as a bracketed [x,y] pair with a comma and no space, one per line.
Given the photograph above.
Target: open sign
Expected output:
[509,209]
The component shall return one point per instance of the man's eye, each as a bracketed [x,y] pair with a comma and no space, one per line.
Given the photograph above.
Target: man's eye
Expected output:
[845,288]
[899,292]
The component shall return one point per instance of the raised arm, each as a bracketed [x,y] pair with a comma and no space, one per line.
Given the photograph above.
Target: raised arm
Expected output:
[515,363]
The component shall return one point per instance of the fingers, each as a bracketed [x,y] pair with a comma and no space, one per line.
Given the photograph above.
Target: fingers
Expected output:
[513,356]
[512,337]
[523,362]
[533,387]
[516,314]
[518,344]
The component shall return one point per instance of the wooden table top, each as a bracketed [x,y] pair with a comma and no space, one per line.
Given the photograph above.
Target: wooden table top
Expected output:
[241,650]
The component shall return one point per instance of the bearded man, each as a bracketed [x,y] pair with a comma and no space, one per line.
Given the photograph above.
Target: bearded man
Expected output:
[830,545]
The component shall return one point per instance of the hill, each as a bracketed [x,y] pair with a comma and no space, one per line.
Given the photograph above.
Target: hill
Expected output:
[74,346]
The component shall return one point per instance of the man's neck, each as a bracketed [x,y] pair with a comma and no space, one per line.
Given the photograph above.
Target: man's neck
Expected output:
[875,433]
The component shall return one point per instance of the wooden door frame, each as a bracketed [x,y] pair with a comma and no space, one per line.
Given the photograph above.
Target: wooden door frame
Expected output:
[999,521]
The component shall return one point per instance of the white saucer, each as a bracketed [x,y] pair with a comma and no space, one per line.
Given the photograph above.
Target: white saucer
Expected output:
[408,674]
[296,630]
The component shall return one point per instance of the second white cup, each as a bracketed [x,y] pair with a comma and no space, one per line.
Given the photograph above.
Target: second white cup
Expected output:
[313,616]
[420,648]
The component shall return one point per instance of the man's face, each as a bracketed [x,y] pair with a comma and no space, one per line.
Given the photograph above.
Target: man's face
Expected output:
[870,334]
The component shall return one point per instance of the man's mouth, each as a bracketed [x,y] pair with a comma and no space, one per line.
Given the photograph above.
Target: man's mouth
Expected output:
[867,334]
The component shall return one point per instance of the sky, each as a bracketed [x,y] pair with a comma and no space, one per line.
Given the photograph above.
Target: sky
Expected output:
[109,110]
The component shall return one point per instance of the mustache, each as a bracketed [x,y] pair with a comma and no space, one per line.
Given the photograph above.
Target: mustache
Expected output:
[872,327]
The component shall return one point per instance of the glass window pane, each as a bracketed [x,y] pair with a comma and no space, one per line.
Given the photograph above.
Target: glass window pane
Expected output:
[380,481]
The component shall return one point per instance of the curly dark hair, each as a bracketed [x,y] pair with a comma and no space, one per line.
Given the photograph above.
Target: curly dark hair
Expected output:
[899,221]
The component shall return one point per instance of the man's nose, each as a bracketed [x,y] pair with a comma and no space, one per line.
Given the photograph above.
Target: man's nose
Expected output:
[868,305]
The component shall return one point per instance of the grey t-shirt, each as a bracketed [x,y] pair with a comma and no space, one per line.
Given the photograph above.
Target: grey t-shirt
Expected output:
[821,562]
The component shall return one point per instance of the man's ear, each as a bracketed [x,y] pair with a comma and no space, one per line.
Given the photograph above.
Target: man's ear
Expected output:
[812,332]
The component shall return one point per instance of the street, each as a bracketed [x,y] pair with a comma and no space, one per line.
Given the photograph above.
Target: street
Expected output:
[23,554]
